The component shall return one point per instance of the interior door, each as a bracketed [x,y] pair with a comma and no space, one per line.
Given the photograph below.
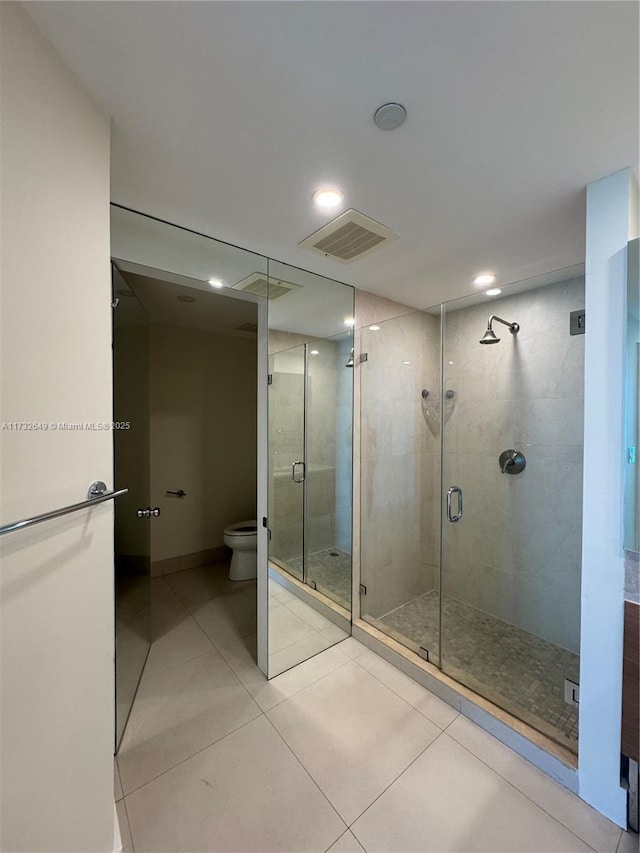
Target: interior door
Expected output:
[287,473]
[132,511]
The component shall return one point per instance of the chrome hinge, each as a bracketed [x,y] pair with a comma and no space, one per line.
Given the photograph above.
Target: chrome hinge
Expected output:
[364,356]
[571,692]
[269,378]
[423,653]
[363,589]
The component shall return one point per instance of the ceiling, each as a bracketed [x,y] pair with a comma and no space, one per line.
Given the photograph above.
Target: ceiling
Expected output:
[209,312]
[228,115]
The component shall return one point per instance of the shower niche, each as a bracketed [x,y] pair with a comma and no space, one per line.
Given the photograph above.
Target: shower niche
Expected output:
[471,518]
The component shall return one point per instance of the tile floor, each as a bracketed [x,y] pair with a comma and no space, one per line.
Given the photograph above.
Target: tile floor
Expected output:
[342,753]
[331,571]
[517,671]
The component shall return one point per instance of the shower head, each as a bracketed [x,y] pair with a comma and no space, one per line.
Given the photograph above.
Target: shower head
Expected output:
[490,336]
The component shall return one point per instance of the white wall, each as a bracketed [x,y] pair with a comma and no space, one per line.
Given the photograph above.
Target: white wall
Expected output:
[610,216]
[56,640]
[203,437]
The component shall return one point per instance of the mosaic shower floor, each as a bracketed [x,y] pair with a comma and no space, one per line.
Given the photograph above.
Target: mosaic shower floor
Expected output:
[516,670]
[331,571]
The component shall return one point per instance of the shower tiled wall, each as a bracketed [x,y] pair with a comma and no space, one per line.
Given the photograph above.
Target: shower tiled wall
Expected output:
[399,455]
[517,553]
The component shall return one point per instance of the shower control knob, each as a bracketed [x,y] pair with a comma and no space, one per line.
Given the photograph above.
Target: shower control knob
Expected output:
[512,462]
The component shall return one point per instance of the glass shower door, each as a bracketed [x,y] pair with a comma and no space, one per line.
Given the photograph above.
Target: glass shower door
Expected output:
[511,503]
[287,459]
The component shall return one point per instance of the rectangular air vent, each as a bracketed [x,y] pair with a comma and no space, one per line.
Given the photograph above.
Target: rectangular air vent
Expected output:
[349,237]
[260,285]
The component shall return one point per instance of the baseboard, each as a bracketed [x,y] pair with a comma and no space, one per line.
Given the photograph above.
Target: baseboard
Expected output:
[190,561]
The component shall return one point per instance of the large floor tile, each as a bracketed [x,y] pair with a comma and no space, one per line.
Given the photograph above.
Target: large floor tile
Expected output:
[574,813]
[178,712]
[352,648]
[182,642]
[353,734]
[123,823]
[247,792]
[307,647]
[286,628]
[448,800]
[241,657]
[195,587]
[314,619]
[229,617]
[421,699]
[347,843]
[628,843]
[167,610]
[117,784]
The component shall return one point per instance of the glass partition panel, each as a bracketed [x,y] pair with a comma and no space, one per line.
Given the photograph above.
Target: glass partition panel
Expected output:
[329,470]
[310,426]
[512,533]
[401,410]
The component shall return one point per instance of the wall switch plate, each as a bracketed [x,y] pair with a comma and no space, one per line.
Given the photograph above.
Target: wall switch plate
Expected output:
[571,692]
[577,322]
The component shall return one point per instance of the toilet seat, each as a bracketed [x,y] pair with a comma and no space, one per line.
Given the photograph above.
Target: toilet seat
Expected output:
[242,528]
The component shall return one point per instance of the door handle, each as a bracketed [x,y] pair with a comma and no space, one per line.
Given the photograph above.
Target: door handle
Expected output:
[148,512]
[454,490]
[293,471]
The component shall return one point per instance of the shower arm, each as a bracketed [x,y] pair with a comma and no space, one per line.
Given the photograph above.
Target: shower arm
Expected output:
[513,327]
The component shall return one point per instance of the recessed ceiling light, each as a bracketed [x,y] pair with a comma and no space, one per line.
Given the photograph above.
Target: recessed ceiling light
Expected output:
[182,297]
[328,199]
[483,279]
[349,321]
[314,352]
[493,292]
[406,362]
[374,328]
[215,282]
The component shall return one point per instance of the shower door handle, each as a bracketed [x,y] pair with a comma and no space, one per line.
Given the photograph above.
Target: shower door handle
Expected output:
[457,491]
[293,471]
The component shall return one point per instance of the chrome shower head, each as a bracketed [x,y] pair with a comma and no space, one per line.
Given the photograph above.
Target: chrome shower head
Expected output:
[490,336]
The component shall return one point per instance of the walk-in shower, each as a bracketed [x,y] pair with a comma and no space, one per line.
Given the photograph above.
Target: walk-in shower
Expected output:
[493,599]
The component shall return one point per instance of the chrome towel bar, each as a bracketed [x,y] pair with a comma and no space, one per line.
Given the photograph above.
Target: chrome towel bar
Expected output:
[98,493]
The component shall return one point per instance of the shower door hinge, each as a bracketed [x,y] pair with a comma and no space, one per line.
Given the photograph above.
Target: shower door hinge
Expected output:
[423,653]
[363,589]
[312,584]
[265,523]
[364,356]
[571,692]
[269,378]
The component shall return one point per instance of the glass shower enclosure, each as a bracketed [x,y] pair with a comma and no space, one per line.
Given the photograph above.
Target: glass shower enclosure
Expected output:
[471,501]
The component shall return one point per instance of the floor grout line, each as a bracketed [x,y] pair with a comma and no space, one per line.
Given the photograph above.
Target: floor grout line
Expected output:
[308,772]
[522,793]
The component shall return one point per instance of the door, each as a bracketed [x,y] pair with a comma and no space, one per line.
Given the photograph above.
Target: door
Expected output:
[287,370]
[133,514]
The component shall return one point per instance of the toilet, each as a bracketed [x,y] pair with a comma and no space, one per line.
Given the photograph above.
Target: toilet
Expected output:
[242,538]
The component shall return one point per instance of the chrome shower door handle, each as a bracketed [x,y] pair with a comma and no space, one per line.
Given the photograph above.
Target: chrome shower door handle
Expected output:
[293,471]
[454,490]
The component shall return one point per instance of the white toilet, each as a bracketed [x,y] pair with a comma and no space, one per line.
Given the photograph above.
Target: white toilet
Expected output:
[242,538]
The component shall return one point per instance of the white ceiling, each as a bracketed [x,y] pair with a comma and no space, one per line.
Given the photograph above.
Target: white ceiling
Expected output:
[227,115]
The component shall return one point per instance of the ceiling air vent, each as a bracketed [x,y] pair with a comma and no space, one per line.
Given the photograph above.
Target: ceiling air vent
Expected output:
[348,237]
[258,284]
